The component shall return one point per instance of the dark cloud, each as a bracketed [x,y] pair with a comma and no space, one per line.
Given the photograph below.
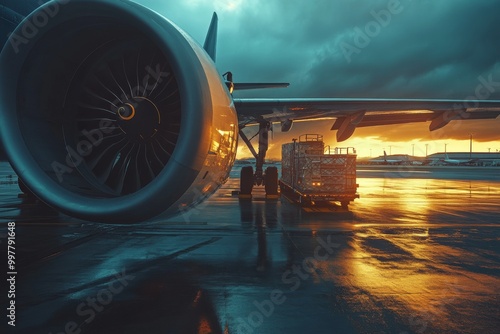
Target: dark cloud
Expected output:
[426,49]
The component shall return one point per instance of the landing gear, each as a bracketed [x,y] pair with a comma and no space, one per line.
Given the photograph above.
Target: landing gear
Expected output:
[248,178]
[271,181]
[246,181]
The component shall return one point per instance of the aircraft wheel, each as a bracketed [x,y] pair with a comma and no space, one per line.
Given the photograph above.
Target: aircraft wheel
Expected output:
[246,180]
[344,204]
[271,179]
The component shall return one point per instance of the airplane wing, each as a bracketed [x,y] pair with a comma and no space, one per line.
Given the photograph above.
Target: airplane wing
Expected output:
[351,113]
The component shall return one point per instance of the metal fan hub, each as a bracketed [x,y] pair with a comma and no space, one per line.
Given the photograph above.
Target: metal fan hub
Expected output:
[139,119]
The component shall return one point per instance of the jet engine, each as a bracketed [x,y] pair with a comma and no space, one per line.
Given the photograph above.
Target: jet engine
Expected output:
[109,112]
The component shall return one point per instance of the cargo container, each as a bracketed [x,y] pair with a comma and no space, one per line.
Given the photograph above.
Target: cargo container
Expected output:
[312,173]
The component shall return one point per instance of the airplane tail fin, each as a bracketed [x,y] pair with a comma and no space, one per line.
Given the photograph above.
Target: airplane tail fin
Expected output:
[446,156]
[211,40]
[210,47]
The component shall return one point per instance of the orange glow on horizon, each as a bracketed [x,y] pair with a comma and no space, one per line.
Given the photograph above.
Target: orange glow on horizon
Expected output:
[374,147]
[411,139]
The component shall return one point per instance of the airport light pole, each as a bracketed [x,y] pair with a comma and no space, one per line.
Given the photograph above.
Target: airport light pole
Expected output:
[445,147]
[426,147]
[470,153]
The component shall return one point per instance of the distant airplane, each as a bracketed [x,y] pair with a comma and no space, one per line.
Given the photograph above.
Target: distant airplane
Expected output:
[387,161]
[110,112]
[449,161]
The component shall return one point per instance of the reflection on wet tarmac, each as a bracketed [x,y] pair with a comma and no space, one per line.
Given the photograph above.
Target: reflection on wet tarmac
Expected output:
[410,256]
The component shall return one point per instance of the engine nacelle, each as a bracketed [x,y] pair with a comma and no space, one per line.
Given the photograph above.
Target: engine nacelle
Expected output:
[109,112]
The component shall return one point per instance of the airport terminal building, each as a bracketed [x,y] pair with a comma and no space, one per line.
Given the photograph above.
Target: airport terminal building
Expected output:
[459,158]
[477,158]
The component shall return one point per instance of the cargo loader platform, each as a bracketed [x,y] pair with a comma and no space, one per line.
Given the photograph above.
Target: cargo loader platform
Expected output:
[313,173]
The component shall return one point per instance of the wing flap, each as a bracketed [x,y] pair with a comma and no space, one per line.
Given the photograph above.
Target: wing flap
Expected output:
[353,113]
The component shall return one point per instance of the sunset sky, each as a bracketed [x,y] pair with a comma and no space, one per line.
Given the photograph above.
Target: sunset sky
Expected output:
[413,49]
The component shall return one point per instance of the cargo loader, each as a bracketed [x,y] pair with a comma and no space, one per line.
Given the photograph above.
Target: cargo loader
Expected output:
[312,173]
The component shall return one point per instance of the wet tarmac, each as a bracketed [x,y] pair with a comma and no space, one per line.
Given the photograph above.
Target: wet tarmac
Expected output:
[418,255]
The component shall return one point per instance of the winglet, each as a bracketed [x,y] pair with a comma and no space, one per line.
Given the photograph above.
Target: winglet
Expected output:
[211,40]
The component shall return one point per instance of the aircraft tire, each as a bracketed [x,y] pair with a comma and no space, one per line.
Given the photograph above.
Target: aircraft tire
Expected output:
[246,180]
[271,181]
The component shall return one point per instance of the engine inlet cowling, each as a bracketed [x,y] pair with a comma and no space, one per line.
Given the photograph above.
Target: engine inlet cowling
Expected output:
[126,116]
[99,114]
